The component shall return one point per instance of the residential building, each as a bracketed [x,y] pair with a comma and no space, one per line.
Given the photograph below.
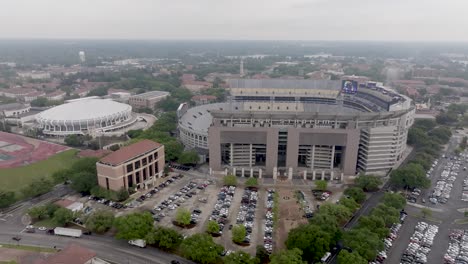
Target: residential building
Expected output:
[203,99]
[137,165]
[56,96]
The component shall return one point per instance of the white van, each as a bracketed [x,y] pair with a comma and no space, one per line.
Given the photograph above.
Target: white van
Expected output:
[138,242]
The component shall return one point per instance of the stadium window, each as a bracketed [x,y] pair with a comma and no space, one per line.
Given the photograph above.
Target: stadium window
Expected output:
[287,107]
[278,107]
[259,107]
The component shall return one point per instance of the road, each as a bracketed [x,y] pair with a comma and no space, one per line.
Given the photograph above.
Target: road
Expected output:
[12,223]
[106,248]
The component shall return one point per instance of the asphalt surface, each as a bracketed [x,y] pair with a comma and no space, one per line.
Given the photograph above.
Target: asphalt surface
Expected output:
[443,215]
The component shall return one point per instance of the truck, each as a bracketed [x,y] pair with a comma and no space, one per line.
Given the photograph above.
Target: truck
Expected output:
[138,242]
[70,232]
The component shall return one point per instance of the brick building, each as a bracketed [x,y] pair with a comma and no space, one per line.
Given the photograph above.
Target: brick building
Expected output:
[137,165]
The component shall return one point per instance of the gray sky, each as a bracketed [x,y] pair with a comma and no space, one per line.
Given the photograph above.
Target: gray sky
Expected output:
[411,20]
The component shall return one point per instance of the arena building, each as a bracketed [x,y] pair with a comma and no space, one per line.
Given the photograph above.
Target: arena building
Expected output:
[85,117]
[316,129]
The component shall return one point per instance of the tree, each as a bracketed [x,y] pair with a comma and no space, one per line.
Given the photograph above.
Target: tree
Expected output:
[201,248]
[134,226]
[262,254]
[183,216]
[239,257]
[115,147]
[389,214]
[39,102]
[230,180]
[172,150]
[368,183]
[61,176]
[410,176]
[292,256]
[83,182]
[100,221]
[364,242]
[321,185]
[50,209]
[122,194]
[238,233]
[463,143]
[74,140]
[345,257]
[349,203]
[394,200]
[188,157]
[329,224]
[37,187]
[426,212]
[62,216]
[251,182]
[374,223]
[311,240]
[7,198]
[340,212]
[37,212]
[356,193]
[87,164]
[212,227]
[165,238]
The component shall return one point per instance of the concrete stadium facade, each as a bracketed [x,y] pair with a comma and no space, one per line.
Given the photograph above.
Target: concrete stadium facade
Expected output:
[302,129]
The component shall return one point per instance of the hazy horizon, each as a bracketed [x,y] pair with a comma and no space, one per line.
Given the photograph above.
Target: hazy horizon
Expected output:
[218,20]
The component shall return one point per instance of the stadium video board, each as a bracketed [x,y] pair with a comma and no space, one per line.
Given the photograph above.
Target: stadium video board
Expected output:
[349,86]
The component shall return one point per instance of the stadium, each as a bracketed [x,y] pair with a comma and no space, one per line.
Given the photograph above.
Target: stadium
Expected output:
[310,129]
[85,117]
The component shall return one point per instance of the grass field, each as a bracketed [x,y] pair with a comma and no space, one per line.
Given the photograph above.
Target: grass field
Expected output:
[28,248]
[14,179]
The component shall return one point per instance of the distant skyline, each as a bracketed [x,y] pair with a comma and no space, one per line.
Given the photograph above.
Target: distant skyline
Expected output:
[377,20]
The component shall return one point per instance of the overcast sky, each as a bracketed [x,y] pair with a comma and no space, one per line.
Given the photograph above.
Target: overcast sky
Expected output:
[410,20]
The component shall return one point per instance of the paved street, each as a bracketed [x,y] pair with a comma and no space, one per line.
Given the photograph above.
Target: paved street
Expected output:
[443,215]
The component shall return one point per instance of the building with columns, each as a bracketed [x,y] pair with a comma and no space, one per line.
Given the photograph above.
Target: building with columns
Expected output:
[137,165]
[307,129]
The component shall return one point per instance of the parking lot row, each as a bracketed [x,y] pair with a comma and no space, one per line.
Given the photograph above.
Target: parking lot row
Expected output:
[457,252]
[420,244]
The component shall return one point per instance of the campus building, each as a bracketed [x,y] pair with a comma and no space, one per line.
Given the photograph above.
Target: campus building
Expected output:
[311,129]
[136,165]
[147,100]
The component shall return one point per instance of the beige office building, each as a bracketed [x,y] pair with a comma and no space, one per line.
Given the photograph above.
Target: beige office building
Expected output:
[137,165]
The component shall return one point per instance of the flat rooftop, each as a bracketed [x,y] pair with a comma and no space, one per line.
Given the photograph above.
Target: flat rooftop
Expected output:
[150,95]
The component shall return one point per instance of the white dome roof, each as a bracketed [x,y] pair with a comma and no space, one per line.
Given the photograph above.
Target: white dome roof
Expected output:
[84,110]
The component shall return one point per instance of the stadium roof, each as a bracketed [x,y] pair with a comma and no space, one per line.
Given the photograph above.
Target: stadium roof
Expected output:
[285,84]
[84,110]
[129,152]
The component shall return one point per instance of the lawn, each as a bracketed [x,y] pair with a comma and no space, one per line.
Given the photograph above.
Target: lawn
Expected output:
[48,222]
[14,179]
[28,248]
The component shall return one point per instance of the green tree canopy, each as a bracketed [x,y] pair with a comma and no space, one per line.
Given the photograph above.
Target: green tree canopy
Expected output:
[410,176]
[7,198]
[292,256]
[356,193]
[165,238]
[238,233]
[251,182]
[134,226]
[394,200]
[201,248]
[350,203]
[212,227]
[230,180]
[62,216]
[346,258]
[183,216]
[188,157]
[368,183]
[340,212]
[37,212]
[100,221]
[311,240]
[363,241]
[374,223]
[74,140]
[389,214]
[37,187]
[239,257]
[321,185]
[83,182]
